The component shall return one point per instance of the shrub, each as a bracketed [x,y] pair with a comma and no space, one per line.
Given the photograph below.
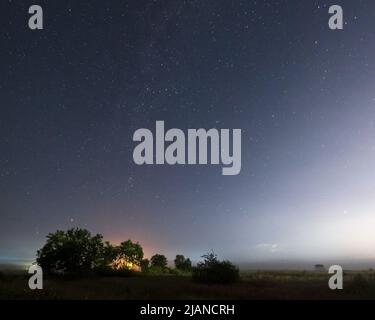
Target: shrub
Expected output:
[177,272]
[157,270]
[212,271]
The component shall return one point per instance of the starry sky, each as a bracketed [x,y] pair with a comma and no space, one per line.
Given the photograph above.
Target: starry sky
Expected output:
[73,94]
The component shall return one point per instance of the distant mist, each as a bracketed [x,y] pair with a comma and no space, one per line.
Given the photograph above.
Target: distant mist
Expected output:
[14,264]
[347,264]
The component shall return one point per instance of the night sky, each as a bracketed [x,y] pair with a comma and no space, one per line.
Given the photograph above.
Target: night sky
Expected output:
[73,94]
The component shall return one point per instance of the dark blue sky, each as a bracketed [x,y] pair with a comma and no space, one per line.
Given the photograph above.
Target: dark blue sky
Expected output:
[304,96]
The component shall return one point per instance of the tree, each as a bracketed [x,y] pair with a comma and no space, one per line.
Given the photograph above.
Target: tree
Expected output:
[132,251]
[212,270]
[159,260]
[210,259]
[108,254]
[145,264]
[181,263]
[73,251]
[129,255]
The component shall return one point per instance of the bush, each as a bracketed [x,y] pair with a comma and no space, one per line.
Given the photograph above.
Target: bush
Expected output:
[178,272]
[157,270]
[213,271]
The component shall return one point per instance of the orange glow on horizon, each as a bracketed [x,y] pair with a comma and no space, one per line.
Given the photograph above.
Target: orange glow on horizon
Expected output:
[147,249]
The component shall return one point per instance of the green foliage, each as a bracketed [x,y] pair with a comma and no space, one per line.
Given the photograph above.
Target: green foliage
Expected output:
[133,252]
[160,271]
[212,271]
[156,270]
[178,272]
[108,254]
[159,260]
[182,263]
[73,251]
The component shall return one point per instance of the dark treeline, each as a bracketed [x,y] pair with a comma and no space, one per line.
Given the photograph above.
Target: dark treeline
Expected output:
[77,252]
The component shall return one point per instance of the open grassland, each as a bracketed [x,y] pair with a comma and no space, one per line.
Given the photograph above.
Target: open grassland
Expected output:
[253,285]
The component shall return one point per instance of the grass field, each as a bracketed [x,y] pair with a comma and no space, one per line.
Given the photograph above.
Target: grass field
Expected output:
[253,285]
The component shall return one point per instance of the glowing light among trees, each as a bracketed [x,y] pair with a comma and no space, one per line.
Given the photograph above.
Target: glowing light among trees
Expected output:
[122,262]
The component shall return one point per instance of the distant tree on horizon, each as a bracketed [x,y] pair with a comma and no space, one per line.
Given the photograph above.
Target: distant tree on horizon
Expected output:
[159,261]
[182,263]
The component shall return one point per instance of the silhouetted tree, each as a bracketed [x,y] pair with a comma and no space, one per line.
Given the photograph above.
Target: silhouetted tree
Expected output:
[181,263]
[72,251]
[159,260]
[132,251]
[211,270]
[108,254]
[210,259]
[145,264]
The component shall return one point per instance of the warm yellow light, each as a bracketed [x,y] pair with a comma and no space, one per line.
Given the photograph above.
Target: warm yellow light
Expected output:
[122,262]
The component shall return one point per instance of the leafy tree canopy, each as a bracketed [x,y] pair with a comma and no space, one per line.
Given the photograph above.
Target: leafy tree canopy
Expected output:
[74,250]
[133,252]
[159,260]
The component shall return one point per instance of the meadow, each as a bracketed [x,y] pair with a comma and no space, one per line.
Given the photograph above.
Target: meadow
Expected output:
[254,285]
